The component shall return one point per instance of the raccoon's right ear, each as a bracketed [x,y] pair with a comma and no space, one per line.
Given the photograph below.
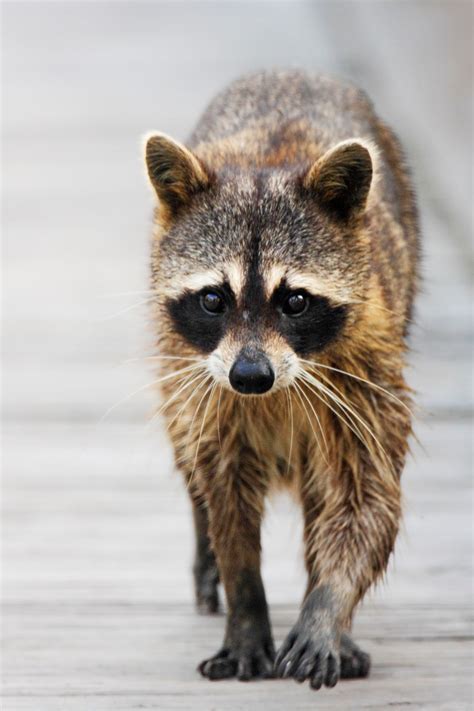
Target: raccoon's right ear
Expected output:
[174,171]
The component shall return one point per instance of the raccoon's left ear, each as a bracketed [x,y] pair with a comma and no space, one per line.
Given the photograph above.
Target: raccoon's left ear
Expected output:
[341,179]
[174,171]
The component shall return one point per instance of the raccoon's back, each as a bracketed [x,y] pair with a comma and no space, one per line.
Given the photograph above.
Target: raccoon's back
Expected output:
[289,119]
[329,107]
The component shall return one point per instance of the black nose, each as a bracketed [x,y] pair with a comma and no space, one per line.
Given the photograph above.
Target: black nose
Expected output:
[251,374]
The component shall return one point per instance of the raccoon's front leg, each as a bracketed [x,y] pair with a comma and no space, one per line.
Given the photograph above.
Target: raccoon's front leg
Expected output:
[348,544]
[235,504]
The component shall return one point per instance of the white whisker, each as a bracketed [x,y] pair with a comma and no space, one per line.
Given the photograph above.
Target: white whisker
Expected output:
[350,412]
[339,415]
[124,310]
[201,385]
[290,408]
[315,365]
[161,357]
[212,389]
[126,293]
[301,392]
[145,387]
[202,381]
[218,417]
[185,383]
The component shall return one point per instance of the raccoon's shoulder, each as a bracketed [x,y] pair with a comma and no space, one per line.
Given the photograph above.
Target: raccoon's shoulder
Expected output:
[273,97]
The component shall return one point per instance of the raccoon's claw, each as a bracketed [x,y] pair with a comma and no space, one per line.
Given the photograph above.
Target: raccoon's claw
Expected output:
[355,664]
[312,650]
[247,665]
[303,657]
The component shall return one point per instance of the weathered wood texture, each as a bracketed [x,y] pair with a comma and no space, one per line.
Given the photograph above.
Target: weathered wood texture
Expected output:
[97,540]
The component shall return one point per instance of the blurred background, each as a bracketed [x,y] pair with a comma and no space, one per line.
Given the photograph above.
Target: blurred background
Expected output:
[97,535]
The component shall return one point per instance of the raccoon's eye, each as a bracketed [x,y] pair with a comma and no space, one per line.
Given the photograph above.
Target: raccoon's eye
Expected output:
[295,304]
[212,302]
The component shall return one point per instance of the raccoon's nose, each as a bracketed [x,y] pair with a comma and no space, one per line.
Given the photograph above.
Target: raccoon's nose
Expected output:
[252,374]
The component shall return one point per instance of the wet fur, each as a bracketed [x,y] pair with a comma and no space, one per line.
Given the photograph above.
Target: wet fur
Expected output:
[257,149]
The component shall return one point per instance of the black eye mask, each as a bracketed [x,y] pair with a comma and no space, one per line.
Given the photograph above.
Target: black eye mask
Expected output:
[317,325]
[306,329]
[197,324]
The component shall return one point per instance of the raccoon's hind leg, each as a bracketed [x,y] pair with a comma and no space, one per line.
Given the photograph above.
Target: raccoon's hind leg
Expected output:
[205,571]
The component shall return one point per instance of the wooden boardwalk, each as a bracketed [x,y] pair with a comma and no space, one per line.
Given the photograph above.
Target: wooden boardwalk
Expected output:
[97,599]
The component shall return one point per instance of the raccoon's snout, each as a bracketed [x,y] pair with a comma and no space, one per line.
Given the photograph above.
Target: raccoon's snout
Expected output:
[252,373]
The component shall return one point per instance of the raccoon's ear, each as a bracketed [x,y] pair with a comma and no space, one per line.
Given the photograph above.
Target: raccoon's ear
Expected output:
[341,179]
[175,173]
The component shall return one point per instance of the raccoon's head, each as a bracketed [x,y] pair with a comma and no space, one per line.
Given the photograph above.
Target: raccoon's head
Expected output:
[255,270]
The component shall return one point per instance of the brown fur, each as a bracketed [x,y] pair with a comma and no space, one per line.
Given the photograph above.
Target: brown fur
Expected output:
[344,465]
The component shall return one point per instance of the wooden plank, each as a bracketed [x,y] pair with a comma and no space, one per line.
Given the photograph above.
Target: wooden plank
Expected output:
[98,603]
[118,656]
[103,500]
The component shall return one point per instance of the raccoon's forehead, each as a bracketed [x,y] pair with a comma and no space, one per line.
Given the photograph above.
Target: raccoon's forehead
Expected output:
[247,228]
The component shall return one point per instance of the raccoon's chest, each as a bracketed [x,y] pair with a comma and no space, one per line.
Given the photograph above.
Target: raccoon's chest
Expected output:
[278,439]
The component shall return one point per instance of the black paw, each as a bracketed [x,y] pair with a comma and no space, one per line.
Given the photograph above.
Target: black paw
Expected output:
[309,654]
[255,663]
[355,664]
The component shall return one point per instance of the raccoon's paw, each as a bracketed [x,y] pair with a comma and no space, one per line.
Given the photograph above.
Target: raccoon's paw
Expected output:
[254,663]
[355,664]
[309,655]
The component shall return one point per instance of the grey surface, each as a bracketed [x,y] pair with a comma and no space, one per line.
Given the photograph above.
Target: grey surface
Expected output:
[97,541]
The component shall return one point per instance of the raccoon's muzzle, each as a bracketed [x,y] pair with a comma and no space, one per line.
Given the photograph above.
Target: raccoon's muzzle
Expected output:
[251,373]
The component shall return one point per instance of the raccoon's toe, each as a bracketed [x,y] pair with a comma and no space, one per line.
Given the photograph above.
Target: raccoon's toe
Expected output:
[309,653]
[355,664]
[244,666]
[221,666]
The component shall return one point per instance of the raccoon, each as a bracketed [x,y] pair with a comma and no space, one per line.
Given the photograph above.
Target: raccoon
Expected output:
[284,268]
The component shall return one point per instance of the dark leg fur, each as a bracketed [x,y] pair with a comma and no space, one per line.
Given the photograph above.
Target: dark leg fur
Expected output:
[206,574]
[234,527]
[248,650]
